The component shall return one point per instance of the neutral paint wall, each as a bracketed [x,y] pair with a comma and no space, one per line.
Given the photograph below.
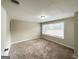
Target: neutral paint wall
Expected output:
[5,32]
[68,33]
[76,34]
[23,31]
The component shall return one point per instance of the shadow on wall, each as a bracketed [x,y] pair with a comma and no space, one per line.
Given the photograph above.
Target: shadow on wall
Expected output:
[23,31]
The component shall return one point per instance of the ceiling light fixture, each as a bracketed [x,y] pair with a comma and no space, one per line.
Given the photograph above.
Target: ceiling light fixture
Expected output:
[15,1]
[42,17]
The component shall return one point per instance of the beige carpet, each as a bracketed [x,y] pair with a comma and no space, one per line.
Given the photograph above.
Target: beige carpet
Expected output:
[40,49]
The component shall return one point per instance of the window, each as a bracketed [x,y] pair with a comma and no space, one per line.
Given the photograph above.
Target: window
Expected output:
[54,29]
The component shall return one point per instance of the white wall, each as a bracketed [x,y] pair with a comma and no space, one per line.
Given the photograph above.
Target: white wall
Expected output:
[5,32]
[68,33]
[23,31]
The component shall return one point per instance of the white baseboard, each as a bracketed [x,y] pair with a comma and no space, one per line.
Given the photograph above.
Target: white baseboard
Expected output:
[18,42]
[61,44]
[22,41]
[75,57]
[65,45]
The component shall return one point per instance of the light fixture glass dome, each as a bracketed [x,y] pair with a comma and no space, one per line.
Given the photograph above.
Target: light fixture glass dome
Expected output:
[42,17]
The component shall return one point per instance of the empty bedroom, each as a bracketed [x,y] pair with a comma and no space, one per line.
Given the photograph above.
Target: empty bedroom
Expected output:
[39,29]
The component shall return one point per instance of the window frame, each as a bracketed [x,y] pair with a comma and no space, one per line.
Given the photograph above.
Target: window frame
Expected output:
[52,23]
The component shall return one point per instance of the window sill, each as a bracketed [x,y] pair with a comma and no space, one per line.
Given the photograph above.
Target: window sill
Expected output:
[54,36]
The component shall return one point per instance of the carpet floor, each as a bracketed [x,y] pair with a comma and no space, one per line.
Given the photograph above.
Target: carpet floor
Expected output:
[39,49]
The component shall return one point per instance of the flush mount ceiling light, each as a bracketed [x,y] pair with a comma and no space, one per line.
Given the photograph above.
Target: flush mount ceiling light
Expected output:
[15,1]
[42,17]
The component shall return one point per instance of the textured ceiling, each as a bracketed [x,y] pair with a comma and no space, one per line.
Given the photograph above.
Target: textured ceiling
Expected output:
[31,10]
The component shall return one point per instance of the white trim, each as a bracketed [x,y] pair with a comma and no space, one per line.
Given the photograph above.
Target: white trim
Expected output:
[46,39]
[22,41]
[62,44]
[54,36]
[19,41]
[75,57]
[65,45]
